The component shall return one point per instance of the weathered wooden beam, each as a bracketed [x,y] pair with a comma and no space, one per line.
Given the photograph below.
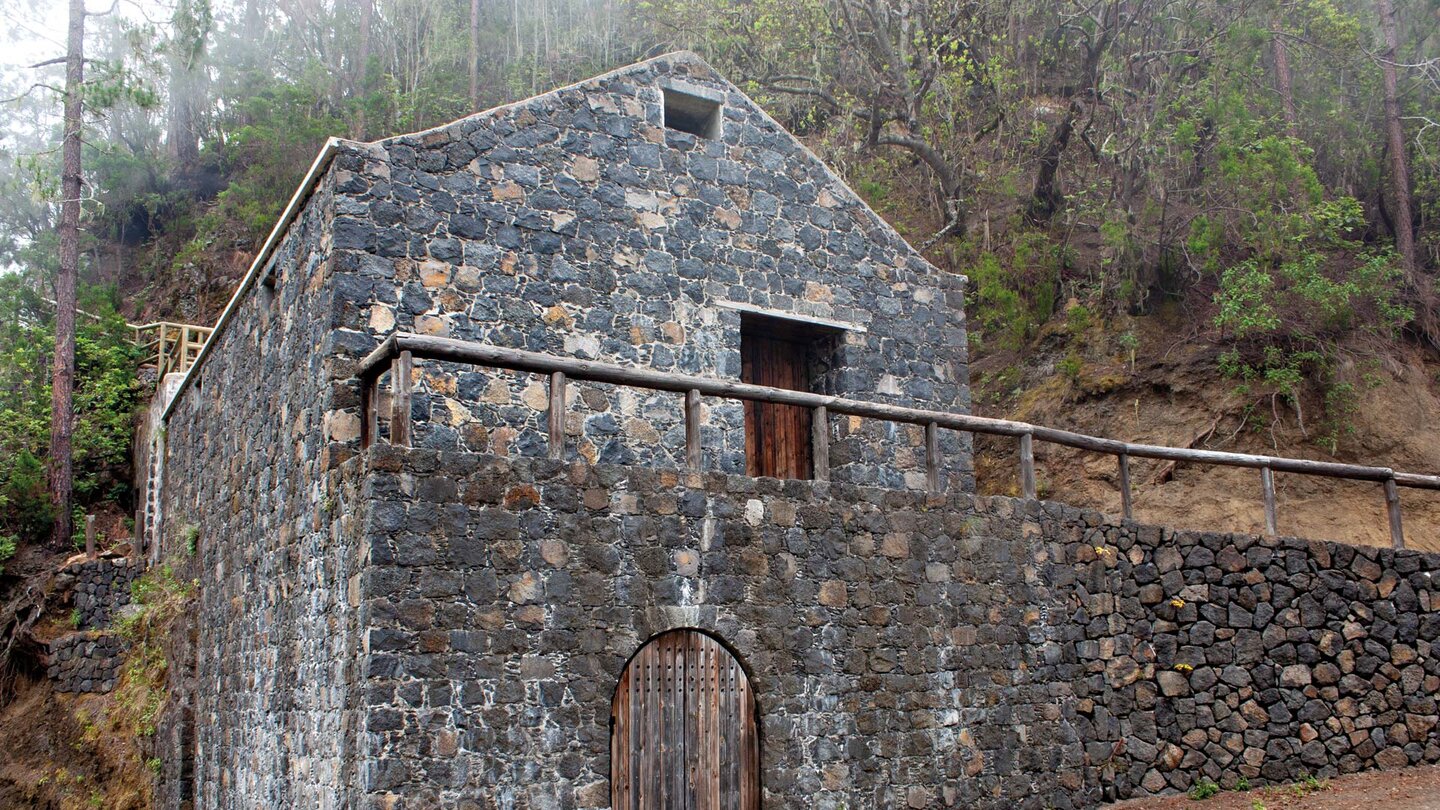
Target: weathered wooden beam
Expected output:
[820,442]
[932,457]
[90,536]
[1417,481]
[1027,467]
[400,399]
[556,415]
[1267,486]
[1392,508]
[1126,506]
[694,453]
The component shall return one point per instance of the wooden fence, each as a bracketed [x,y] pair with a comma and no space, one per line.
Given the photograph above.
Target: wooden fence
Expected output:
[399,351]
[171,347]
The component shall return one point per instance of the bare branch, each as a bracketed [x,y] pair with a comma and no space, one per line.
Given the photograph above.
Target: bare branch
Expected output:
[28,90]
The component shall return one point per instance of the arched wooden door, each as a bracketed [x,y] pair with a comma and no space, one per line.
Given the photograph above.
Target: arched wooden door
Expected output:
[682,729]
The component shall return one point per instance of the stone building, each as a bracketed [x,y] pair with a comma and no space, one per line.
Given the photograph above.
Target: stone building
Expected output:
[474,620]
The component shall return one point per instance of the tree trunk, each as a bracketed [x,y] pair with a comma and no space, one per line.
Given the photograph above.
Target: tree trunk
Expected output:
[62,385]
[1046,198]
[359,73]
[474,55]
[1395,137]
[1283,82]
[190,31]
[362,58]
[182,136]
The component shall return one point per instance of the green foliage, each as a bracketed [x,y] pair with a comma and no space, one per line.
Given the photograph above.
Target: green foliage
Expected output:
[1129,342]
[7,550]
[1204,788]
[1071,366]
[1304,286]
[1284,321]
[1011,299]
[106,395]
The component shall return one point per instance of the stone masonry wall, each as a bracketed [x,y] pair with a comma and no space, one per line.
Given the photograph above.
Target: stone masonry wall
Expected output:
[101,587]
[87,661]
[1233,656]
[897,657]
[576,224]
[906,650]
[262,716]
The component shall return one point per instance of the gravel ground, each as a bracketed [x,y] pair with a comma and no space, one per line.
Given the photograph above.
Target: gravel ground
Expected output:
[1405,789]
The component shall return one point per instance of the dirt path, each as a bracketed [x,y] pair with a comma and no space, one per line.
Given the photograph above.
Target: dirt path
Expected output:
[1405,789]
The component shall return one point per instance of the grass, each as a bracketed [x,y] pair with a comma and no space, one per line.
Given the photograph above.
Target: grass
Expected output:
[1205,788]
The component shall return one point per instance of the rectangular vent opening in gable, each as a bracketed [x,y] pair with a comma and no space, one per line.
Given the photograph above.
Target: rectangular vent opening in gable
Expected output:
[690,113]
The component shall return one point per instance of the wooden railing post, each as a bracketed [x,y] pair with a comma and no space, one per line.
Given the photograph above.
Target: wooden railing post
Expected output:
[557,415]
[369,409]
[1392,506]
[820,442]
[400,399]
[932,457]
[1267,484]
[90,537]
[1126,507]
[1027,467]
[694,453]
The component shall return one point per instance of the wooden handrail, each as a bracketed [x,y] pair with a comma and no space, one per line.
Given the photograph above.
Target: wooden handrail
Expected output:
[400,347]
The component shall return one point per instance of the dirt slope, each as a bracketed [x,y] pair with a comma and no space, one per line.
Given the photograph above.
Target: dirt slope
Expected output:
[1173,394]
[1404,789]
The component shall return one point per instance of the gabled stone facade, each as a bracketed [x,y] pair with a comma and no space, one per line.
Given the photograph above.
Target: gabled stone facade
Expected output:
[577,223]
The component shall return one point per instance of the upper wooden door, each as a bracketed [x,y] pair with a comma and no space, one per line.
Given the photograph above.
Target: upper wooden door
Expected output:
[777,437]
[682,729]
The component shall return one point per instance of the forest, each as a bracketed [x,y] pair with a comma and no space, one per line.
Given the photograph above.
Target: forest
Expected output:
[1260,178]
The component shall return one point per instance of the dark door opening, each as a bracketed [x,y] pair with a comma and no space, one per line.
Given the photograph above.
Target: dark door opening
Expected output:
[777,437]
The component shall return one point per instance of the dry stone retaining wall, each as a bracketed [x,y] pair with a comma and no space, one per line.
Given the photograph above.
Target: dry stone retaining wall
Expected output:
[86,661]
[101,587]
[1232,656]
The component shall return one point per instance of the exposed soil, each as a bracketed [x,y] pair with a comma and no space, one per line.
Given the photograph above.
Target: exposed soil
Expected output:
[1404,789]
[1173,394]
[57,750]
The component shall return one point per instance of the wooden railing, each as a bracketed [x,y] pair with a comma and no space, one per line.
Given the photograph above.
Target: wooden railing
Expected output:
[171,347]
[399,351]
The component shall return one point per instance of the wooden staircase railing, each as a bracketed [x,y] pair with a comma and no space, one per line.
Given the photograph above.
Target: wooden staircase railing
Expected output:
[171,347]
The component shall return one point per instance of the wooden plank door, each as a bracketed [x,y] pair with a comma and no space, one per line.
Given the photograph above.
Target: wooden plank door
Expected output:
[777,437]
[682,729]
